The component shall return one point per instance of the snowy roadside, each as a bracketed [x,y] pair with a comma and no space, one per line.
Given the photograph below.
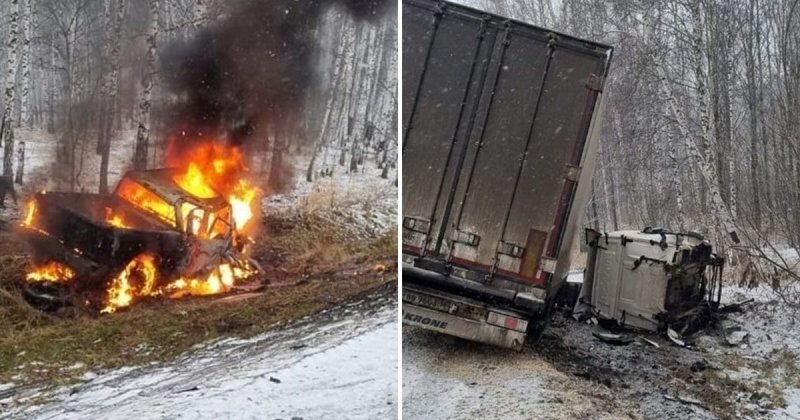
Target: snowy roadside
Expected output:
[570,374]
[363,201]
[40,159]
[311,368]
[771,351]
[445,377]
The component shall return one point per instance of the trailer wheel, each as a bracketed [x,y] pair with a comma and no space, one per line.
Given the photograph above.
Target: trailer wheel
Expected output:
[540,322]
[537,326]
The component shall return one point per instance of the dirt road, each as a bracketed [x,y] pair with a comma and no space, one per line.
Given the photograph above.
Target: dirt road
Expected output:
[569,374]
[444,377]
[311,368]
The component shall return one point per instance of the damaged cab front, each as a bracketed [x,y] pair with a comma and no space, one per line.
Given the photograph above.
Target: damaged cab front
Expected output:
[651,279]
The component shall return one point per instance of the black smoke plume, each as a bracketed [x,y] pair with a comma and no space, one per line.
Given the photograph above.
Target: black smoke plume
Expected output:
[250,66]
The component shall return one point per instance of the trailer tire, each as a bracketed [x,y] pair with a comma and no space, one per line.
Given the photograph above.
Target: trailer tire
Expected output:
[539,323]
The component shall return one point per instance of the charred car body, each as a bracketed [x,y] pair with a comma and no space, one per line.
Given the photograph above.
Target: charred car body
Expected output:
[500,125]
[94,237]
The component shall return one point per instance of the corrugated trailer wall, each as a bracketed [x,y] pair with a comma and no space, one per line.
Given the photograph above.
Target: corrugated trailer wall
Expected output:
[496,117]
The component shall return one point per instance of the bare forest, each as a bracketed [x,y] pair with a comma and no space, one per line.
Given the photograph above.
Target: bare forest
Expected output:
[701,128]
[94,79]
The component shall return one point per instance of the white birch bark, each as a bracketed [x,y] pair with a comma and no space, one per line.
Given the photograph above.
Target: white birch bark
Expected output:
[199,13]
[677,181]
[112,86]
[701,79]
[25,65]
[10,92]
[143,129]
[719,209]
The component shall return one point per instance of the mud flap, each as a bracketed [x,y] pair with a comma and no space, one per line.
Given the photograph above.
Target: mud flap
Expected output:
[468,329]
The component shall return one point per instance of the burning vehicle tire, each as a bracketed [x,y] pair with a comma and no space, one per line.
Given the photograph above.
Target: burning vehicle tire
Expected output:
[47,296]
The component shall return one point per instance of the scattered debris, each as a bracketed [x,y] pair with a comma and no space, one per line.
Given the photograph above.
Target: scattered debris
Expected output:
[276,380]
[736,307]
[699,366]
[614,339]
[734,336]
[675,337]
[189,388]
[650,342]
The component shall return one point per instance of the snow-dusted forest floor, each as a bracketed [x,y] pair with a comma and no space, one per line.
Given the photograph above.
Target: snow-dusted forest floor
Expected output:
[570,374]
[338,363]
[362,200]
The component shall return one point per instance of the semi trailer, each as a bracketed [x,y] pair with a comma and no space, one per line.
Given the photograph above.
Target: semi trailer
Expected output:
[500,127]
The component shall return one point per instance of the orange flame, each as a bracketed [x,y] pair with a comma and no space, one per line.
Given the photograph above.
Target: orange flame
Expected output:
[30,213]
[115,219]
[241,201]
[51,272]
[121,292]
[207,170]
[213,168]
[194,182]
[218,280]
[146,199]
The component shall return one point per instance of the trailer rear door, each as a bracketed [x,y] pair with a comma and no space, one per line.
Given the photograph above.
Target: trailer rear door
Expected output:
[497,118]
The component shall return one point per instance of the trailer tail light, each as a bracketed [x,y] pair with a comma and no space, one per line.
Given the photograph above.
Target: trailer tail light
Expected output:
[506,321]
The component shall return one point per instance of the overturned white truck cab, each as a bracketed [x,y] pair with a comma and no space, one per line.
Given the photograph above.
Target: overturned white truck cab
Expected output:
[651,279]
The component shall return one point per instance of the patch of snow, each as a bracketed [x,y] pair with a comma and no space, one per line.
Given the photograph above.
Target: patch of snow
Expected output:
[361,201]
[770,323]
[342,364]
[446,377]
[792,409]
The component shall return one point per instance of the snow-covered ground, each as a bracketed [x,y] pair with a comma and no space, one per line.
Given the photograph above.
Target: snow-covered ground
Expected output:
[362,200]
[340,363]
[772,328]
[40,156]
[445,378]
[569,374]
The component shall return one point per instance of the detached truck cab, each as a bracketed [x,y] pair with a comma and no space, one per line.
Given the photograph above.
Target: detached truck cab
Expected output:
[500,127]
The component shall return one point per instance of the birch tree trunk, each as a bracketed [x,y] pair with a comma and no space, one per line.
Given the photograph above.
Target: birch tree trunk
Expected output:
[111,97]
[719,210]
[144,129]
[25,65]
[51,90]
[11,84]
[335,96]
[20,163]
[677,182]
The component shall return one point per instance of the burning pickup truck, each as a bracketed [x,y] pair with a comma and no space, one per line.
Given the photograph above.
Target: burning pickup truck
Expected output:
[162,232]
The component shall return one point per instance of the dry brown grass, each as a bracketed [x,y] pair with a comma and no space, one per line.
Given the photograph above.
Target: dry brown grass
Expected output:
[318,268]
